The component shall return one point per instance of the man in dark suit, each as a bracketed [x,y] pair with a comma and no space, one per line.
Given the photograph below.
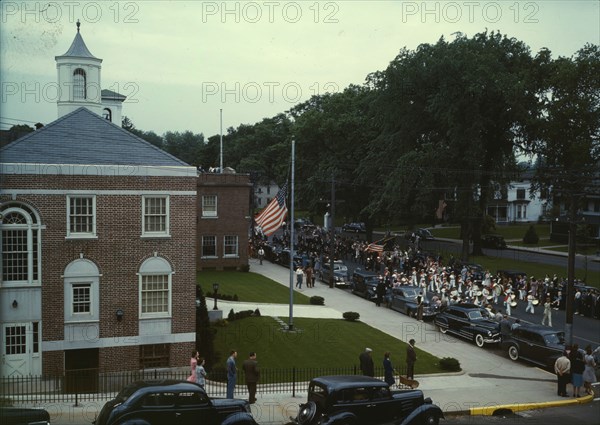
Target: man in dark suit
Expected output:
[366,362]
[411,358]
[252,373]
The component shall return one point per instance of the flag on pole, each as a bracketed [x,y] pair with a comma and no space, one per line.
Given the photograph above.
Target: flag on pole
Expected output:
[272,217]
[373,247]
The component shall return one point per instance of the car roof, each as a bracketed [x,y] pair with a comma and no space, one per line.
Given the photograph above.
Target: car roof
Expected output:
[336,382]
[364,272]
[163,384]
[540,329]
[465,306]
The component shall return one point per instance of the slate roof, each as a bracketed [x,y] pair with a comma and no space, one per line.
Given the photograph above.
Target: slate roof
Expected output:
[78,49]
[84,138]
[109,94]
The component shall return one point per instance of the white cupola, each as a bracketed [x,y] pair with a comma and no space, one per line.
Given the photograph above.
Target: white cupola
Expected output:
[79,78]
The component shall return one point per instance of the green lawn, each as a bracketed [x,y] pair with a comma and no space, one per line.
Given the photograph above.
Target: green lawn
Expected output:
[320,344]
[513,231]
[249,287]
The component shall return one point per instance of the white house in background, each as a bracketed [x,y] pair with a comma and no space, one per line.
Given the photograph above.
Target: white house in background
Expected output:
[516,203]
[79,76]
[263,194]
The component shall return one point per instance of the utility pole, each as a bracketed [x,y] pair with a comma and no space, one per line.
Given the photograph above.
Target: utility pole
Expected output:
[332,241]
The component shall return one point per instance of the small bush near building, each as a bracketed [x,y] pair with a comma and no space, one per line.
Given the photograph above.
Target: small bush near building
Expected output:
[450,364]
[257,312]
[316,300]
[531,237]
[239,315]
[245,268]
[351,316]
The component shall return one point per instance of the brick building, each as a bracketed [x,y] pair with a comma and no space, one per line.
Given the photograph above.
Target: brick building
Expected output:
[98,237]
[223,221]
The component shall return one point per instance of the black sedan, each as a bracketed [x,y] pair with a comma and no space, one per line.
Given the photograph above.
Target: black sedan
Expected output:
[535,343]
[172,402]
[469,321]
[354,227]
[355,399]
[404,300]
[493,241]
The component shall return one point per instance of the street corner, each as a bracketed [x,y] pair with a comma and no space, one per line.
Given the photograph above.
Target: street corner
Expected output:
[521,407]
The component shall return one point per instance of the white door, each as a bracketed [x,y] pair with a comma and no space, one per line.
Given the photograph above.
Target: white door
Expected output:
[16,349]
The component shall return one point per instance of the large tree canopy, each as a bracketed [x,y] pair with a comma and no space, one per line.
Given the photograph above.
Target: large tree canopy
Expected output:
[449,115]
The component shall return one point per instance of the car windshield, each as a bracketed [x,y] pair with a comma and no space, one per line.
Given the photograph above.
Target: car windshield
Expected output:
[475,315]
[126,392]
[410,293]
[557,338]
[340,267]
[372,280]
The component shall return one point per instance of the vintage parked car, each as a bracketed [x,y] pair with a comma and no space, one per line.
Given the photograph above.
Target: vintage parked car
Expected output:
[469,321]
[364,283]
[172,402]
[340,274]
[23,416]
[354,227]
[493,241]
[358,400]
[535,343]
[404,300]
[423,234]
[474,270]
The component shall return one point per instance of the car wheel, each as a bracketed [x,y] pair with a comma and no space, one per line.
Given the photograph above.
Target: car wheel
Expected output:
[307,413]
[443,329]
[431,419]
[513,353]
[479,340]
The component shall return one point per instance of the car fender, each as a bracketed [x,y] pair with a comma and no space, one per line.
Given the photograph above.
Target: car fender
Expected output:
[339,418]
[135,422]
[241,418]
[421,411]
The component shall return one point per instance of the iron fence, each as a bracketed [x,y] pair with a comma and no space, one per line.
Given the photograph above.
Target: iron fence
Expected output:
[92,385]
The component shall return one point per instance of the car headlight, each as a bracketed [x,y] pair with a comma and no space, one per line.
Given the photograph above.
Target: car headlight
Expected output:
[489,333]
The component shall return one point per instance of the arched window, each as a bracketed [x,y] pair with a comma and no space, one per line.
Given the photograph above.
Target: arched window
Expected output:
[79,84]
[82,289]
[107,114]
[21,235]
[155,288]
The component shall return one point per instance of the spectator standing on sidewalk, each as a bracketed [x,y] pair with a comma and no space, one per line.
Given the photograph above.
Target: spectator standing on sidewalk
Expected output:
[299,277]
[201,373]
[388,369]
[193,364]
[308,271]
[589,374]
[411,358]
[252,372]
[562,368]
[231,373]
[577,367]
[366,362]
[261,254]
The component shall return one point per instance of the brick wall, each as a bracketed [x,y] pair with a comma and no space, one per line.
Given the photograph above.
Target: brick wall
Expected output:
[118,252]
[233,209]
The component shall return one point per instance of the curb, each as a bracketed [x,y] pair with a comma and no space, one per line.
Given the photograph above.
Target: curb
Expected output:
[492,410]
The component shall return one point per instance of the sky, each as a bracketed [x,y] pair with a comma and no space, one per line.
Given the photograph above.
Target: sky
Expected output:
[181,62]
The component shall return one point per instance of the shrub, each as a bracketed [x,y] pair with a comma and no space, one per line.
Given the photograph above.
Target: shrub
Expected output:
[531,236]
[245,268]
[218,373]
[239,315]
[351,316]
[316,300]
[257,312]
[450,364]
[221,323]
[231,315]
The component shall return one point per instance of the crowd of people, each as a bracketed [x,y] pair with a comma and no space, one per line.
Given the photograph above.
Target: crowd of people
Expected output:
[402,262]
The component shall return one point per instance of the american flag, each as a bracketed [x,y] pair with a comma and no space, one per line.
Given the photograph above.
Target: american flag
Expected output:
[374,247]
[271,218]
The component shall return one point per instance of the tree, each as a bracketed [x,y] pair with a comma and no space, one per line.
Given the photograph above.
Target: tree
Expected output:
[450,114]
[14,133]
[205,333]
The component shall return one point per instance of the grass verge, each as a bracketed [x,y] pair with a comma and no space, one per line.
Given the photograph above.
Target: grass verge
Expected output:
[249,287]
[319,344]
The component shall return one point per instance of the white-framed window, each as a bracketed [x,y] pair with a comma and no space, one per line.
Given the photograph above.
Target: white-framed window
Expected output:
[209,206]
[209,247]
[82,291]
[81,216]
[155,216]
[230,246]
[521,212]
[81,297]
[155,279]
[20,258]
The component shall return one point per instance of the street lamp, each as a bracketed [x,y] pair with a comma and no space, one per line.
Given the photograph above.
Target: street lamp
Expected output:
[215,290]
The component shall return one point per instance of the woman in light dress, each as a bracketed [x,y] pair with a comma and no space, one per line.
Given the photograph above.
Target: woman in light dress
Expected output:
[589,374]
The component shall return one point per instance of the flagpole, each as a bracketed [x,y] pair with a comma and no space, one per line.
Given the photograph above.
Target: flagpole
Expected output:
[291,222]
[221,144]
